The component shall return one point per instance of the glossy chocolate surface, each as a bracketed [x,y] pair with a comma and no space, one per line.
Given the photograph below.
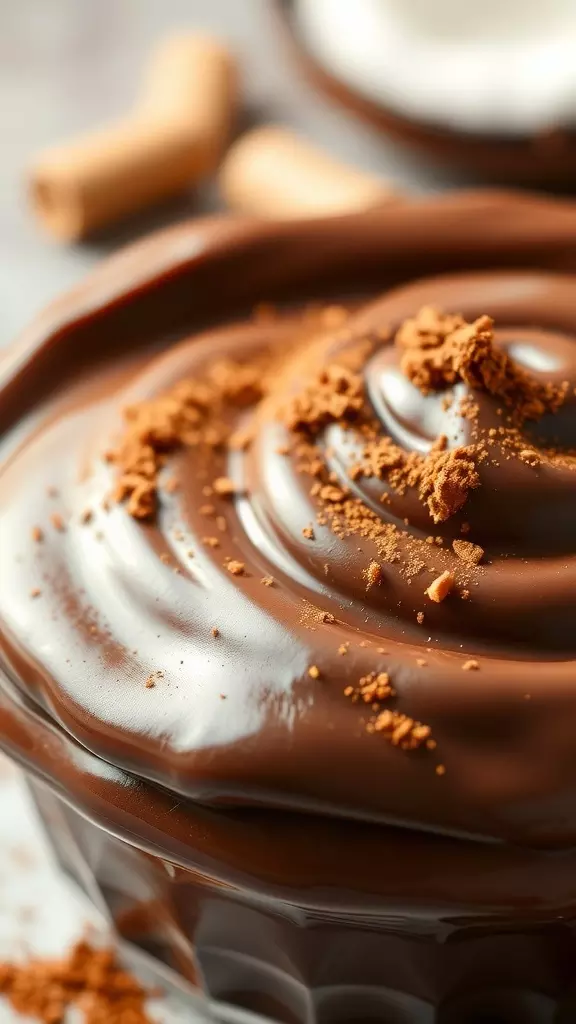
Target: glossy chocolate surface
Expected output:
[266,787]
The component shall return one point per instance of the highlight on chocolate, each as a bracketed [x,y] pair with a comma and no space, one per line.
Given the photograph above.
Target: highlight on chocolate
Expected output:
[287,607]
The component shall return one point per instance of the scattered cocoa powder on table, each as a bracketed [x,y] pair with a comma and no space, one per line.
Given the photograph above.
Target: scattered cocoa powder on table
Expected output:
[90,979]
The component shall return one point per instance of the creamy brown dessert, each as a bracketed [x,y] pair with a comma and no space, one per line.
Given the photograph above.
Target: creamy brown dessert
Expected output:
[287,605]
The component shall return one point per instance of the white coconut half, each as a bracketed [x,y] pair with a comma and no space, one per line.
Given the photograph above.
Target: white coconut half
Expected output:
[493,66]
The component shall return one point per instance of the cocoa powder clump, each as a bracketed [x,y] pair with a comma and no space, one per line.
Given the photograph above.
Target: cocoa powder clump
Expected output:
[440,587]
[335,395]
[439,349]
[373,574]
[190,414]
[224,487]
[443,478]
[446,480]
[468,552]
[235,567]
[401,730]
[88,979]
[374,687]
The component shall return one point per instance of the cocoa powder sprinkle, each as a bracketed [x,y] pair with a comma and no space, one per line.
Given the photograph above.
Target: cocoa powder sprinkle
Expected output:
[437,351]
[440,587]
[440,349]
[88,979]
[190,415]
[470,553]
[443,478]
[224,487]
[335,395]
[373,574]
[446,478]
[374,687]
[401,730]
[235,567]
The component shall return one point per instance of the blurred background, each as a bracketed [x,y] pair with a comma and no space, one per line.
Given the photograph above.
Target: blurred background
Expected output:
[69,65]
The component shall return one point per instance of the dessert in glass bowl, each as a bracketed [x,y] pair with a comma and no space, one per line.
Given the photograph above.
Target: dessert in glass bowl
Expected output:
[287,599]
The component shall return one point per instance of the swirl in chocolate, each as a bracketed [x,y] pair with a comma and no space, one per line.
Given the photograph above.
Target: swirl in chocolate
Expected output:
[269,484]
[246,559]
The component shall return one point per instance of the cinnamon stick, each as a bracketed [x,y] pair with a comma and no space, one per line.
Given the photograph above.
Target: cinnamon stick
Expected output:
[174,136]
[272,172]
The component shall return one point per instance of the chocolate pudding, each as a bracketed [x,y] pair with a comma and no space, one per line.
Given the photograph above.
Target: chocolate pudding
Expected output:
[287,605]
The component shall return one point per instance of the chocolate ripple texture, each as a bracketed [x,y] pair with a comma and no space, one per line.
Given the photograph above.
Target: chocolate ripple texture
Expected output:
[179,686]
